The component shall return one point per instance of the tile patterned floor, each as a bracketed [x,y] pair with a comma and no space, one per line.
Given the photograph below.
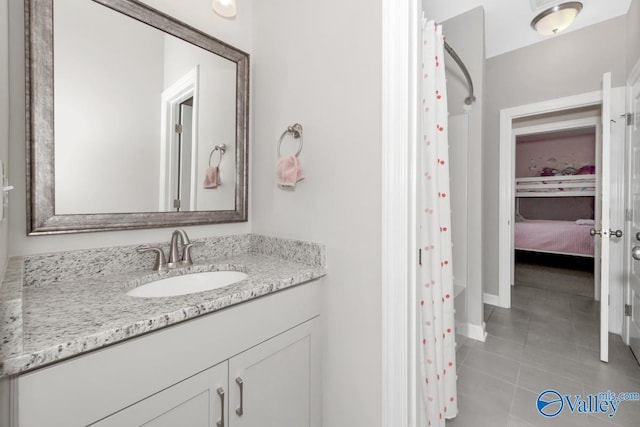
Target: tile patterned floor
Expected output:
[547,340]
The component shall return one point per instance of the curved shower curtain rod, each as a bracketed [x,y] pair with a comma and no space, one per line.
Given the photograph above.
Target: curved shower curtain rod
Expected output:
[471,98]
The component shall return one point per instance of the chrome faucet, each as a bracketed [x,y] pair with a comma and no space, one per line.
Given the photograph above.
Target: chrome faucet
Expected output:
[174,259]
[179,239]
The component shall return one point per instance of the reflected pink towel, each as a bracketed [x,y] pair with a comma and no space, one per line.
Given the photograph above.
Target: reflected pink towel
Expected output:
[212,177]
[289,171]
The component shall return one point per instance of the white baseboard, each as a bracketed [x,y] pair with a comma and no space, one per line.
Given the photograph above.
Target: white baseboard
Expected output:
[491,299]
[462,328]
[477,332]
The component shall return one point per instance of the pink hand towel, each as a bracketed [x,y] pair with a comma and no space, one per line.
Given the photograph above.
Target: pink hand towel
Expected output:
[212,177]
[289,171]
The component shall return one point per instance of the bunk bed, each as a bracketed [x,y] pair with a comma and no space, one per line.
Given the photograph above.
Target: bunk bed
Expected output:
[550,236]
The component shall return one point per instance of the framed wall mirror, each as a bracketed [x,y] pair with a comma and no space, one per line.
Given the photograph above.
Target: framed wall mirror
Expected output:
[134,120]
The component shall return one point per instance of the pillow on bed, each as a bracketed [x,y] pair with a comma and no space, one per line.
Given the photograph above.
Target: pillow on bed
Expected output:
[586,170]
[585,222]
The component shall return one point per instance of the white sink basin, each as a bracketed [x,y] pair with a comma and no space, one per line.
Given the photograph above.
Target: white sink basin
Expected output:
[187,284]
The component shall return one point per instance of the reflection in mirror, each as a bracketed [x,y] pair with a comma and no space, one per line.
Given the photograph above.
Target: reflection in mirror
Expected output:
[182,160]
[120,141]
[141,101]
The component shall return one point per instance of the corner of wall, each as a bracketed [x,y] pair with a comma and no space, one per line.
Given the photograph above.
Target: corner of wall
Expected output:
[465,33]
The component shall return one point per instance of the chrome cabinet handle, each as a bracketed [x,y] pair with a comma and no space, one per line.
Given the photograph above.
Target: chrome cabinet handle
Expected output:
[638,235]
[239,410]
[635,253]
[220,422]
[593,232]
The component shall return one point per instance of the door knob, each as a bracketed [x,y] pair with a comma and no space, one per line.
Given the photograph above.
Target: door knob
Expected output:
[610,233]
[635,253]
[615,233]
[638,235]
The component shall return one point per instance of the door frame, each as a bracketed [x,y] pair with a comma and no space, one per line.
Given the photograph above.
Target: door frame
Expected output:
[186,87]
[507,172]
[633,75]
[400,106]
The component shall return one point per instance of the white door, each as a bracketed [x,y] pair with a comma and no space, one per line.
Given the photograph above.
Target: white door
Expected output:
[273,383]
[633,294]
[604,225]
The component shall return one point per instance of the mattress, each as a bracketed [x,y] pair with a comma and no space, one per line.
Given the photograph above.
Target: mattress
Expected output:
[560,237]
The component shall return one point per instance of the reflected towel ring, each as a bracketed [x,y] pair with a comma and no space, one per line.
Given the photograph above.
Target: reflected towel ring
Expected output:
[296,131]
[222,148]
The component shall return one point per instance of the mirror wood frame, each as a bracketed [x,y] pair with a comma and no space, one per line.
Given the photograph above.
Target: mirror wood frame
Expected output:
[41,217]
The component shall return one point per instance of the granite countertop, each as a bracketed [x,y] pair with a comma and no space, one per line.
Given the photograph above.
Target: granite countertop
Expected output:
[48,320]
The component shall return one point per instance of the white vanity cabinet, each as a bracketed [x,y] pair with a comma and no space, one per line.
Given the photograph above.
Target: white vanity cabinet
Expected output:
[185,375]
[273,386]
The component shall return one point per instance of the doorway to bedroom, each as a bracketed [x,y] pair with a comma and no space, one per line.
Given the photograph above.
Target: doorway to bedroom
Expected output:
[556,204]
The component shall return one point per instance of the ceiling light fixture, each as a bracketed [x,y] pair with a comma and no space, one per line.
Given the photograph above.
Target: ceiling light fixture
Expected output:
[225,8]
[556,18]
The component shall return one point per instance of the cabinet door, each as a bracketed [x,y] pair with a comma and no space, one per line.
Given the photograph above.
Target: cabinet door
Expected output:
[198,401]
[277,383]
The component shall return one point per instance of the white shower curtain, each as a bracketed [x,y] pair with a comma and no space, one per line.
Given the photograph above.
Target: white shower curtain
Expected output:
[435,278]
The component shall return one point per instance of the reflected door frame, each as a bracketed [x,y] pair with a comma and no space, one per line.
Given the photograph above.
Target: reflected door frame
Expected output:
[172,98]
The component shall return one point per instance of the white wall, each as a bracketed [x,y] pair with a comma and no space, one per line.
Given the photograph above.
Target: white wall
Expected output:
[196,13]
[465,34]
[565,65]
[318,63]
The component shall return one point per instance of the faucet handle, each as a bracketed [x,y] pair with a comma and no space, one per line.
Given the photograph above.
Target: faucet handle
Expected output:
[186,254]
[161,260]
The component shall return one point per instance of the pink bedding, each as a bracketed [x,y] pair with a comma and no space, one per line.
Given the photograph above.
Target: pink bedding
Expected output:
[562,237]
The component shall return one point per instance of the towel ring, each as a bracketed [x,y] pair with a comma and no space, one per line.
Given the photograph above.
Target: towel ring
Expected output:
[222,148]
[296,131]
